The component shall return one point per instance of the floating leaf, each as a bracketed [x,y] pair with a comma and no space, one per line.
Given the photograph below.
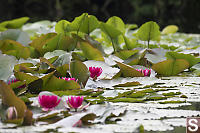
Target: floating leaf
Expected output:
[188,57]
[170,29]
[128,100]
[79,71]
[128,71]
[170,67]
[171,102]
[127,84]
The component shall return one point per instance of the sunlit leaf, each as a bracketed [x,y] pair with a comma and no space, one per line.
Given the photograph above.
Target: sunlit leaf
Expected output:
[62,26]
[13,24]
[149,31]
[117,23]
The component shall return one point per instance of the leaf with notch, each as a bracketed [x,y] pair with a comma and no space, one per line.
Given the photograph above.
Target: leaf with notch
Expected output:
[170,67]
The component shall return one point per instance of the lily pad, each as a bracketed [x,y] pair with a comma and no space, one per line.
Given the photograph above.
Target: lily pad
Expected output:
[170,67]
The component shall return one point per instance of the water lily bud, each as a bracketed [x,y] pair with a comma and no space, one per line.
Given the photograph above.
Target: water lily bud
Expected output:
[11,113]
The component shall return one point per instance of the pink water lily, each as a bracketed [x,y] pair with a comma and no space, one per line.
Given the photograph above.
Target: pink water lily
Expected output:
[48,102]
[146,72]
[95,72]
[75,102]
[68,79]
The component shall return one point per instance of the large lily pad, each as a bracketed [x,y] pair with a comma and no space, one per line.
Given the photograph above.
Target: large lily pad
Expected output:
[170,67]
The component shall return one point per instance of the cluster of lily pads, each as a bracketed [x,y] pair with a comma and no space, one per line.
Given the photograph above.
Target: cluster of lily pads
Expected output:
[59,57]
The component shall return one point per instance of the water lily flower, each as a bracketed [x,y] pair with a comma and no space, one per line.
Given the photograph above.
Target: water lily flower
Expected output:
[75,102]
[11,113]
[146,72]
[15,80]
[95,72]
[48,102]
[68,79]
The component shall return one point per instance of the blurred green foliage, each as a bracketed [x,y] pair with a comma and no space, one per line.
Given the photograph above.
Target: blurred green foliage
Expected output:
[183,13]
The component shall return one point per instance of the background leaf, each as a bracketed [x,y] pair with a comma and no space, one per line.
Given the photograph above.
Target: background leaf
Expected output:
[13,24]
[170,29]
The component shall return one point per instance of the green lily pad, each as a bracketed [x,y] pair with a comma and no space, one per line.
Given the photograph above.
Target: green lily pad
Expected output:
[170,67]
